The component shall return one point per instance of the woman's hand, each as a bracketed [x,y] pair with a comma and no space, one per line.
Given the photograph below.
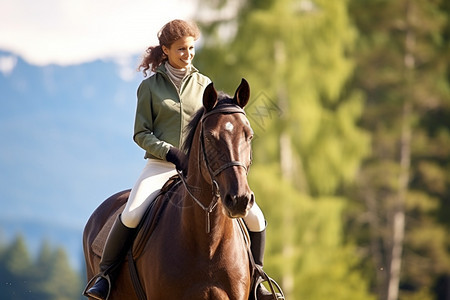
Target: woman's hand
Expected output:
[178,158]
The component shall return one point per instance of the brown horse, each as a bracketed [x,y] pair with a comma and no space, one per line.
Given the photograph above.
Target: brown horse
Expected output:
[197,250]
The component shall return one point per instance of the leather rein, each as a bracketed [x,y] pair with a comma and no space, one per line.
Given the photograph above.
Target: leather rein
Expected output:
[225,109]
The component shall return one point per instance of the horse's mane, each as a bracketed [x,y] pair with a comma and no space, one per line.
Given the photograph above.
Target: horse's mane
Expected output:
[222,99]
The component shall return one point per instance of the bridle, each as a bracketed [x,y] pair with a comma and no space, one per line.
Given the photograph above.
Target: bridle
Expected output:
[221,109]
[226,109]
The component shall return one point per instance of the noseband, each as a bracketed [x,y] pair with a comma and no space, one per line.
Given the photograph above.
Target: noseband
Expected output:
[225,109]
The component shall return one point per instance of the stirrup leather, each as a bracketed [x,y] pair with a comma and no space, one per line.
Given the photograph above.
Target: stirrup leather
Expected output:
[258,275]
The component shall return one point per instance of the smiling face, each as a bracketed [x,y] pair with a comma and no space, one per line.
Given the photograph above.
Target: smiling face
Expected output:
[181,52]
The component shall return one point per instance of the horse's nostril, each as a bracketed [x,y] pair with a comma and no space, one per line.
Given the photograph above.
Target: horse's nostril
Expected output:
[238,206]
[231,201]
[252,199]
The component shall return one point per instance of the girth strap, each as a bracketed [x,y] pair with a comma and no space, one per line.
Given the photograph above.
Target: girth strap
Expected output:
[135,277]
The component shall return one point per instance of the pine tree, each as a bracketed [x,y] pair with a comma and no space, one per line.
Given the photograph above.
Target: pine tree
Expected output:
[57,279]
[44,259]
[49,277]
[14,271]
[308,145]
[401,67]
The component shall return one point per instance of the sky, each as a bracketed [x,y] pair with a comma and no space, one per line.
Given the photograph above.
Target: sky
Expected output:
[68,32]
[71,33]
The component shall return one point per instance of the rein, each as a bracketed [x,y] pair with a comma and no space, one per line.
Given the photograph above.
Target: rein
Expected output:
[208,209]
[226,109]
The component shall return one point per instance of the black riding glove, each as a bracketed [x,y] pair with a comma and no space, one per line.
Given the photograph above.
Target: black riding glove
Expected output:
[178,158]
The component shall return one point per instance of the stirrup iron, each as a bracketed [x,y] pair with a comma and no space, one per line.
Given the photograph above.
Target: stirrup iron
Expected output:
[93,279]
[274,287]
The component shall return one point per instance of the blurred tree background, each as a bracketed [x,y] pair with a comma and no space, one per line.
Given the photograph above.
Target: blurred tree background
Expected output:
[48,276]
[350,106]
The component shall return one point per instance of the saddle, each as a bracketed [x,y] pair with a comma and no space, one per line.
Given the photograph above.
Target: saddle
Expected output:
[145,228]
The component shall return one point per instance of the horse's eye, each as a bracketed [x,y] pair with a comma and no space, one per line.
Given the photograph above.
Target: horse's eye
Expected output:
[248,136]
[210,137]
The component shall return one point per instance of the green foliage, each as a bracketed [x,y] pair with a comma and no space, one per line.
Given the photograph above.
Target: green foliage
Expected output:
[14,271]
[305,239]
[300,61]
[403,60]
[49,277]
[16,257]
[332,78]
[296,59]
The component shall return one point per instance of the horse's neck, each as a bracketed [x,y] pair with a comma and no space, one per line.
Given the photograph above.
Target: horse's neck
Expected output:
[197,223]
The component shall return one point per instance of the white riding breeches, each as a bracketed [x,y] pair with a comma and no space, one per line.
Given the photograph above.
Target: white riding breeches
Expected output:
[255,219]
[155,173]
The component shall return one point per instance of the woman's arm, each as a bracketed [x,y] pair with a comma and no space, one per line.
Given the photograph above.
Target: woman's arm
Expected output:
[143,126]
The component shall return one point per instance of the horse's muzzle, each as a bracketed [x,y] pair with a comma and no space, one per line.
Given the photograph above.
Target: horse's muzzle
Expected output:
[238,206]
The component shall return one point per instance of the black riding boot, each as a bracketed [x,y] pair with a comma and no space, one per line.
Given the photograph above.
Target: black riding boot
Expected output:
[257,246]
[117,244]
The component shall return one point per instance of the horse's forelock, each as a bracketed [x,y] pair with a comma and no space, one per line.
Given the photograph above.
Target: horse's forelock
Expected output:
[223,97]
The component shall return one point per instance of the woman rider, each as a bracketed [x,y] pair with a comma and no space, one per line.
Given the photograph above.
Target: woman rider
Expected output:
[166,101]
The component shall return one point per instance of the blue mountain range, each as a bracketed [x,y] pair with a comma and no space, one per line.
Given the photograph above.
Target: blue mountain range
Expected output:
[65,146]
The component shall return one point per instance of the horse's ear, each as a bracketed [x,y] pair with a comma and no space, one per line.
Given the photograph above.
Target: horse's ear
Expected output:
[242,94]
[209,97]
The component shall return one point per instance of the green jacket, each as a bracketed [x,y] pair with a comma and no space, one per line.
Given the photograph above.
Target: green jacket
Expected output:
[162,112]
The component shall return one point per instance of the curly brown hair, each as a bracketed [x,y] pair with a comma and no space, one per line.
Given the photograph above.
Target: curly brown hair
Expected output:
[172,31]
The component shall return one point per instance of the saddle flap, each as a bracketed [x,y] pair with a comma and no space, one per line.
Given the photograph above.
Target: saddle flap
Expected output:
[146,226]
[152,215]
[100,240]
